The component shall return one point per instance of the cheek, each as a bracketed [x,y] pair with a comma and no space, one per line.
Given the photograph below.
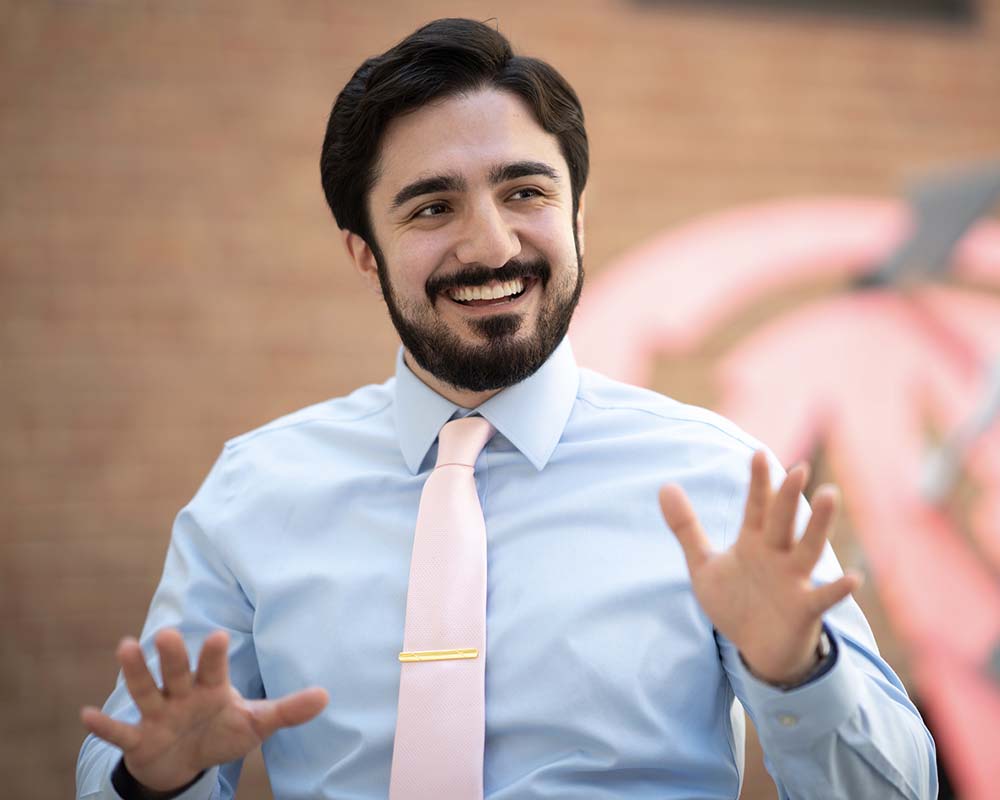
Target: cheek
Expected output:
[417,258]
[560,252]
[424,253]
[552,233]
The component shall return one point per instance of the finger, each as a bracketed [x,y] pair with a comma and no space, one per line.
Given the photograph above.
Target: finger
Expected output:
[294,709]
[138,680]
[213,663]
[759,495]
[780,530]
[174,664]
[118,733]
[826,596]
[824,508]
[684,523]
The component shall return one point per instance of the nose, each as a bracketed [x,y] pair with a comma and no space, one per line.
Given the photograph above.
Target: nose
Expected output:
[487,238]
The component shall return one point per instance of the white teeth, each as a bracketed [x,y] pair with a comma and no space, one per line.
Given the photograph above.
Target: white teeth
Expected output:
[491,291]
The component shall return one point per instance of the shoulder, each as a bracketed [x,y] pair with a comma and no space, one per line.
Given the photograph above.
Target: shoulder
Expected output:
[364,407]
[641,440]
[336,436]
[264,475]
[613,405]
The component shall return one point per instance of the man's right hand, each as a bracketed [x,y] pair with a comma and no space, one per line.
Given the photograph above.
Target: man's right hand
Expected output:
[195,721]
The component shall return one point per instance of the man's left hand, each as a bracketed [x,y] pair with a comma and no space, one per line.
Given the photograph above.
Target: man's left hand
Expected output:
[758,593]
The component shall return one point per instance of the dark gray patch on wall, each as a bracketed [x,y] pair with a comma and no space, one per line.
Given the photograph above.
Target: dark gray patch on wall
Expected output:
[948,11]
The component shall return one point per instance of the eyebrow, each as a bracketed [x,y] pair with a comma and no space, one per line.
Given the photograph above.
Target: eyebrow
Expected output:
[451,182]
[431,185]
[521,169]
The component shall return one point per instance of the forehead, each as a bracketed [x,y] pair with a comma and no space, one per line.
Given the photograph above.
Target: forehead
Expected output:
[468,134]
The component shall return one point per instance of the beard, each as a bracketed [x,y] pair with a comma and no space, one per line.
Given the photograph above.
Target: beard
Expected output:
[503,357]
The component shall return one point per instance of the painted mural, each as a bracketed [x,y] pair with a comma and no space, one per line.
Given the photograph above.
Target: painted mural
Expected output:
[893,374]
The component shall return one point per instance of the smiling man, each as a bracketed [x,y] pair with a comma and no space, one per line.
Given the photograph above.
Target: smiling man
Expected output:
[496,574]
[474,246]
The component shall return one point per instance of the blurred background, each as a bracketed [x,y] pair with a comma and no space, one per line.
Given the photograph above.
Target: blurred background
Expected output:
[171,277]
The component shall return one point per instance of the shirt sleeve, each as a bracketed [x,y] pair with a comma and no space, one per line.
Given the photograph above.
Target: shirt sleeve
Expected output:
[852,732]
[197,595]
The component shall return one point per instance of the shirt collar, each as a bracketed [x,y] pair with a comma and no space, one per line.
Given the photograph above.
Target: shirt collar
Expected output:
[531,414]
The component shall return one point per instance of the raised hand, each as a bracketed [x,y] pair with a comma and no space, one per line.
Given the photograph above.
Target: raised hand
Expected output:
[758,593]
[194,721]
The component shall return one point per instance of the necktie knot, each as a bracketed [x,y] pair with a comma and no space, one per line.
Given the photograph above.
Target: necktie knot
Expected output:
[462,440]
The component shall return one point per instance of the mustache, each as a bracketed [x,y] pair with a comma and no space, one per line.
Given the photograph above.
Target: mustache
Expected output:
[480,276]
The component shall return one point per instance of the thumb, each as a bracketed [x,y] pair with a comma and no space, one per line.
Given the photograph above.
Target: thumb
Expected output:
[684,523]
[293,709]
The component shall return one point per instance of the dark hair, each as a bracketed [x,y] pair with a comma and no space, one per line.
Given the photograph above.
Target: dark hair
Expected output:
[443,58]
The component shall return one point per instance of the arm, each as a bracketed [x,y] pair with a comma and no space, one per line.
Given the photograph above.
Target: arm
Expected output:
[170,723]
[851,732]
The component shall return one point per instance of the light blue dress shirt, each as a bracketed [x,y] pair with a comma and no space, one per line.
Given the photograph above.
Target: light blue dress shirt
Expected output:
[604,679]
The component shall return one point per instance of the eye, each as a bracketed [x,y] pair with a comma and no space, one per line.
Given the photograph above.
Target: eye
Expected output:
[432,210]
[526,193]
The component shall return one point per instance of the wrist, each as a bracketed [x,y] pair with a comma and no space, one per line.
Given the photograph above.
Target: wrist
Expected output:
[818,663]
[129,788]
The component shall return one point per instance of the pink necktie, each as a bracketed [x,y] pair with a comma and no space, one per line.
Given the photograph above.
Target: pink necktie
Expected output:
[440,729]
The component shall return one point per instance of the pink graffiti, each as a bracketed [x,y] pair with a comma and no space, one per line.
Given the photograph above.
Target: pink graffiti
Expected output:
[867,375]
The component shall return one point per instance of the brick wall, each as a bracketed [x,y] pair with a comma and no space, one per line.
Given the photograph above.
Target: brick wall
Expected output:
[171,277]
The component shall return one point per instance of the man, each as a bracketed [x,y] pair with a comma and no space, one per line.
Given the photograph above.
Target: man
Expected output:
[615,650]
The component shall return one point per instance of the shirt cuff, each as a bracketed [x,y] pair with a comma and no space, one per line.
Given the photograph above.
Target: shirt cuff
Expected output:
[128,788]
[796,718]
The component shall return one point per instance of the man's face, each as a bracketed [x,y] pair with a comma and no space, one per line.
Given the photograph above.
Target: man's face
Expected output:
[477,256]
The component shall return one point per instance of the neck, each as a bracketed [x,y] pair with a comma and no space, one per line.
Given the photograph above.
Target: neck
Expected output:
[460,397]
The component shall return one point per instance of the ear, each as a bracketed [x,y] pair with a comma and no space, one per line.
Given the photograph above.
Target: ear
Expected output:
[364,260]
[579,220]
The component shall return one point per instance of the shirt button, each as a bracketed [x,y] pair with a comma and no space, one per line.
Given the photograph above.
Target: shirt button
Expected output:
[788,720]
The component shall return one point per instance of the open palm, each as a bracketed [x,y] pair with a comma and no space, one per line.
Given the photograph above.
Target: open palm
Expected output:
[196,720]
[758,593]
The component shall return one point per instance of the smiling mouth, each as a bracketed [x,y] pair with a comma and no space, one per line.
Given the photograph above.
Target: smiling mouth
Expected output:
[495,293]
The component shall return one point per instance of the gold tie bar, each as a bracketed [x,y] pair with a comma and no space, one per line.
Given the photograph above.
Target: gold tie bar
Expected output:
[438,655]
